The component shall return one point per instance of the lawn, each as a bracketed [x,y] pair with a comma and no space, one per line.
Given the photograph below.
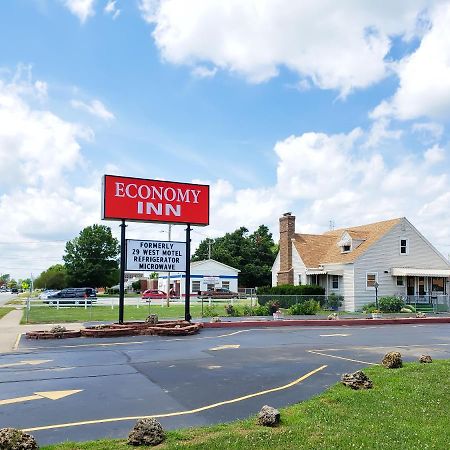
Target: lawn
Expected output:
[47,314]
[4,311]
[407,409]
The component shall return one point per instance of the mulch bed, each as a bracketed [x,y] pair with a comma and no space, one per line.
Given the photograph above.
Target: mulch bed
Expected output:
[163,328]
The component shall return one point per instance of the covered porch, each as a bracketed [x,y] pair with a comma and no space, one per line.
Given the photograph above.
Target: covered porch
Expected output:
[424,286]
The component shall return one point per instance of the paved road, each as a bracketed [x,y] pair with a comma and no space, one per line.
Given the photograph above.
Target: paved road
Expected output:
[114,380]
[5,297]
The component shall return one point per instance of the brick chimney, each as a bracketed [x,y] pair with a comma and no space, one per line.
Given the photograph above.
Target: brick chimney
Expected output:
[287,231]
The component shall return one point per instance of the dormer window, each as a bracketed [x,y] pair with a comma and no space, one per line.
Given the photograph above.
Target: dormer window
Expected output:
[346,248]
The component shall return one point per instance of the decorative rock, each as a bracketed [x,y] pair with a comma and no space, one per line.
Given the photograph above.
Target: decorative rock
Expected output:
[421,315]
[146,432]
[357,380]
[215,320]
[12,439]
[268,416]
[58,329]
[425,359]
[152,318]
[392,360]
[333,316]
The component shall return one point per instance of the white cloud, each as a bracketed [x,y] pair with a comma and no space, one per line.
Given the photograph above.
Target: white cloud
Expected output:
[111,8]
[39,151]
[434,155]
[424,89]
[379,132]
[340,47]
[204,72]
[95,107]
[83,9]
[322,177]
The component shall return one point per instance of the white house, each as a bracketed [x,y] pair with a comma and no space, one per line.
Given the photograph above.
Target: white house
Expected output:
[351,260]
[206,274]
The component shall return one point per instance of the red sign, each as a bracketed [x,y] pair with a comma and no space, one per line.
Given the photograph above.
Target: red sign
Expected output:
[141,200]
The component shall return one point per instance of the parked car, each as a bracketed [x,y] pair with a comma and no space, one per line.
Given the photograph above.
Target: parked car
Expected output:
[14,290]
[218,293]
[155,294]
[72,296]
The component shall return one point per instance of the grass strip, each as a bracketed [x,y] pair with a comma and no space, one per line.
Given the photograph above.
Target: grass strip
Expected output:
[407,409]
[5,310]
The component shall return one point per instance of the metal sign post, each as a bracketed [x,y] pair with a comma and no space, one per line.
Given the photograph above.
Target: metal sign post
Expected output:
[187,300]
[123,253]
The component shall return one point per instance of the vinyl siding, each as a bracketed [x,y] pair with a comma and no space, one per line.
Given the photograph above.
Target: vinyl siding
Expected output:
[346,285]
[299,266]
[385,254]
[275,269]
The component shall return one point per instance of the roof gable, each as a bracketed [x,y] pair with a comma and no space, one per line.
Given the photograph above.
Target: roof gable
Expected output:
[318,249]
[208,261]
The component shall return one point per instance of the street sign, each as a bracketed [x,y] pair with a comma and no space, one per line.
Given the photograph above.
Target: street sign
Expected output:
[145,200]
[155,256]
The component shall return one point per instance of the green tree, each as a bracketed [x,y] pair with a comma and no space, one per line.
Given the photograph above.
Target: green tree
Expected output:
[91,259]
[55,277]
[253,254]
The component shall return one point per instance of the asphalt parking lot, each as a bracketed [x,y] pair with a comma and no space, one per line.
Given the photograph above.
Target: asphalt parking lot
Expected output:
[82,389]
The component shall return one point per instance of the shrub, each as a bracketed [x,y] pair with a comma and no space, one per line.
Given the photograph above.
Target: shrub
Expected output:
[261,310]
[334,301]
[391,304]
[210,311]
[308,308]
[247,311]
[369,308]
[273,307]
[232,310]
[287,295]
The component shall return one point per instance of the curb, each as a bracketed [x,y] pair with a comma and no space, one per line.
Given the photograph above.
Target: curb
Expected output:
[324,323]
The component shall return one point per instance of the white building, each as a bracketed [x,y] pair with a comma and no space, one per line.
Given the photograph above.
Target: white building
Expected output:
[206,274]
[351,260]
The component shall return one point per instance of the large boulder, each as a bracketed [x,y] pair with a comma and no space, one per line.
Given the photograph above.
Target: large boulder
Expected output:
[357,380]
[13,439]
[268,416]
[392,360]
[58,329]
[146,432]
[152,319]
[426,359]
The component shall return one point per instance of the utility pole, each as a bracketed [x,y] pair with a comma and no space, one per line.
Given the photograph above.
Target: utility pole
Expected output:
[209,249]
[168,273]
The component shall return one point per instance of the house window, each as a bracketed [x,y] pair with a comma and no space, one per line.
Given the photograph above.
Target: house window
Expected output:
[346,248]
[196,286]
[400,281]
[404,246]
[371,279]
[226,285]
[335,282]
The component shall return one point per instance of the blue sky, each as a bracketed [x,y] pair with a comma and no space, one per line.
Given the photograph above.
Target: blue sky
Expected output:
[332,113]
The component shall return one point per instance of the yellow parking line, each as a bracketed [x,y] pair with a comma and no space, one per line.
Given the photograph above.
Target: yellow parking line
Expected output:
[178,413]
[341,357]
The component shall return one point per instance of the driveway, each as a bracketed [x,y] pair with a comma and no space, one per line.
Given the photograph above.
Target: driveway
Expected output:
[82,389]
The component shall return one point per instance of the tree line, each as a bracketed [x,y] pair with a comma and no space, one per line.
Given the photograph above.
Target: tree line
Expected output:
[92,258]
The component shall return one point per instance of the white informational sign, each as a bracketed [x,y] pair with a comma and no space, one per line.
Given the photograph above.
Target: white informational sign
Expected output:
[211,280]
[155,256]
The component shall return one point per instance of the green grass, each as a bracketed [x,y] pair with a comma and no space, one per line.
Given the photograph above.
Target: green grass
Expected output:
[47,314]
[4,311]
[407,409]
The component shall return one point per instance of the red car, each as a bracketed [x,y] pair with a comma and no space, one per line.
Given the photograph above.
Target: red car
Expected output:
[154,293]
